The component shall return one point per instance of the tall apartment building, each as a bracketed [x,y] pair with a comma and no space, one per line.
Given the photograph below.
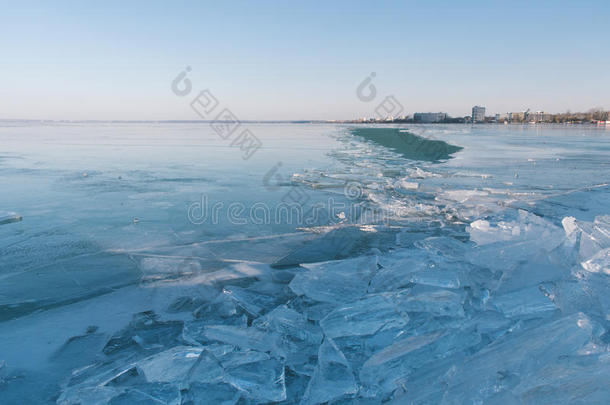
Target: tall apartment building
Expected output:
[478,114]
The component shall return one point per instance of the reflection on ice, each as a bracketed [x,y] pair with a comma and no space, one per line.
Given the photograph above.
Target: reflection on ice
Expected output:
[8,217]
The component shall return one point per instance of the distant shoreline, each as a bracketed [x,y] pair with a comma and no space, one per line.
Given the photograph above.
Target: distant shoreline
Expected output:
[351,122]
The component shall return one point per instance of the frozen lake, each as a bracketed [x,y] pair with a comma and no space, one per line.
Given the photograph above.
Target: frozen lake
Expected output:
[459,264]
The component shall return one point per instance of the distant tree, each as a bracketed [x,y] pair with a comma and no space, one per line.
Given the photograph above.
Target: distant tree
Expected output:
[598,114]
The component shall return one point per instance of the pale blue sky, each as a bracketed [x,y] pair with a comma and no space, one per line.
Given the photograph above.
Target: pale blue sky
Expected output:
[301,60]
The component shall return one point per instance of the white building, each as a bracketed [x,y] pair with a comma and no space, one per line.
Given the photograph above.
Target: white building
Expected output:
[429,117]
[478,114]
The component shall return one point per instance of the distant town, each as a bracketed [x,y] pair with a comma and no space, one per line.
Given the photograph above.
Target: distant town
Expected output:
[479,116]
[594,116]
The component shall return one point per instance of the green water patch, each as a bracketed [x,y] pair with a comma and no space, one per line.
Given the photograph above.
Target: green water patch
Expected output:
[409,145]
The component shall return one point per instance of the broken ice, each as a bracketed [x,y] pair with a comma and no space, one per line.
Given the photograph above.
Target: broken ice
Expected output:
[333,377]
[365,317]
[8,217]
[475,286]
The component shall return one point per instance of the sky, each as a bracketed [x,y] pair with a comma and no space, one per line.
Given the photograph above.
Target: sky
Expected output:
[288,60]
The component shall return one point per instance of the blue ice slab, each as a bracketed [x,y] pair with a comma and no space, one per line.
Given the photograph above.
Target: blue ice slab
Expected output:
[261,381]
[206,370]
[289,323]
[333,377]
[251,302]
[89,395]
[366,316]
[211,394]
[518,357]
[589,237]
[531,302]
[436,278]
[598,263]
[297,338]
[432,300]
[173,365]
[145,333]
[165,393]
[336,281]
[244,337]
[383,372]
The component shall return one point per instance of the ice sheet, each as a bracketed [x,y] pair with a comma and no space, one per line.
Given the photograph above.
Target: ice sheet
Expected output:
[480,276]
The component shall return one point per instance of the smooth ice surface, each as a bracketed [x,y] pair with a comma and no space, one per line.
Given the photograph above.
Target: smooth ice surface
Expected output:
[457,264]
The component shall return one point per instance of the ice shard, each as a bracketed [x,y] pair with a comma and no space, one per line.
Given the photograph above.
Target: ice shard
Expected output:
[366,316]
[146,332]
[252,302]
[262,381]
[383,372]
[297,339]
[337,244]
[589,237]
[333,282]
[9,217]
[599,262]
[530,302]
[162,393]
[519,355]
[333,377]
[432,300]
[244,337]
[89,395]
[172,365]
[206,370]
[211,394]
[436,278]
